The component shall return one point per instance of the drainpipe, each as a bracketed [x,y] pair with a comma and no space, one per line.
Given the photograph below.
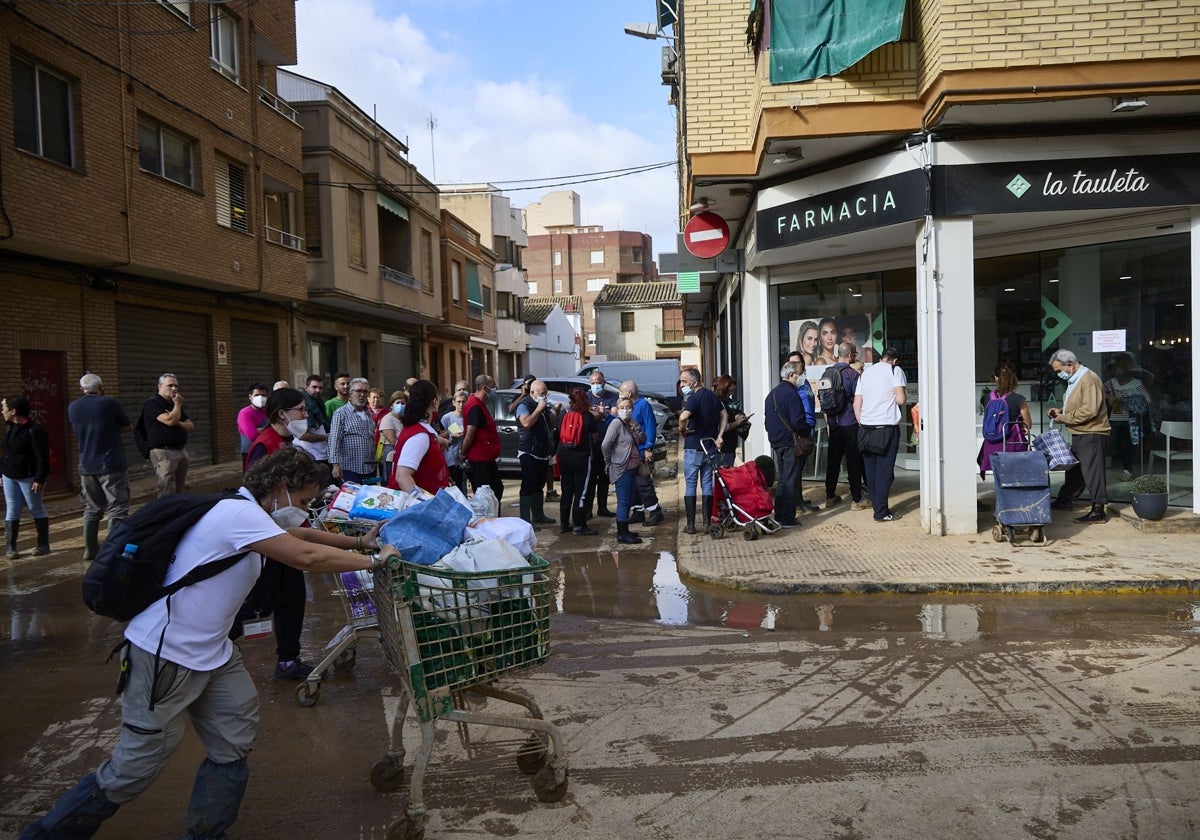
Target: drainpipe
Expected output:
[929,329]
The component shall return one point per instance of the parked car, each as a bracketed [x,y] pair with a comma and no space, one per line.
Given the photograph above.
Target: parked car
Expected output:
[664,416]
[656,378]
[509,429]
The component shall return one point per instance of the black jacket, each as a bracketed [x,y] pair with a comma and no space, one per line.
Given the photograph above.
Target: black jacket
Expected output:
[26,452]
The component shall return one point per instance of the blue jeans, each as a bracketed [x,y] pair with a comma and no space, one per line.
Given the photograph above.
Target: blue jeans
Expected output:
[625,486]
[18,493]
[787,475]
[695,465]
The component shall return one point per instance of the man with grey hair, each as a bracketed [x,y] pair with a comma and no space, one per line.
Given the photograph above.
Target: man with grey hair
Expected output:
[645,496]
[783,418]
[352,436]
[99,422]
[1085,413]
[167,427]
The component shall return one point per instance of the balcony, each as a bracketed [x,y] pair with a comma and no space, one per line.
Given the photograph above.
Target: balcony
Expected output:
[391,275]
[670,336]
[276,104]
[282,237]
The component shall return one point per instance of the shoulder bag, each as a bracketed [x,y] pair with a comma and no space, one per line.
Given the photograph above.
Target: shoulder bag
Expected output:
[804,444]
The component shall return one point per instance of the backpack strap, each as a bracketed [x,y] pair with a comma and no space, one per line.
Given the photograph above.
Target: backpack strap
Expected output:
[203,572]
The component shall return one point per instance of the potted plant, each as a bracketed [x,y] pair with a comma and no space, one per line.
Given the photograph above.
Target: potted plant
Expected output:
[1149,494]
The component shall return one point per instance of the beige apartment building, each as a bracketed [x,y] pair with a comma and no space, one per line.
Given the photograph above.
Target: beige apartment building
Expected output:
[980,182]
[371,230]
[464,344]
[149,217]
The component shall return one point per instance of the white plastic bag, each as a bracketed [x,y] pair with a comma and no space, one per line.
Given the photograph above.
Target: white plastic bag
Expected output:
[485,504]
[516,532]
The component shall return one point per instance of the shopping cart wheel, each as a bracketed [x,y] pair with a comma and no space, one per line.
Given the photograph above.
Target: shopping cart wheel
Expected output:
[545,788]
[532,755]
[387,774]
[998,532]
[308,695]
[345,660]
[1037,534]
[751,533]
[716,531]
[409,828]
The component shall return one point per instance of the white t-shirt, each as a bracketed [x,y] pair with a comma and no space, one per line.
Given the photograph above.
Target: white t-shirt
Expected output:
[414,449]
[319,450]
[876,387]
[197,636]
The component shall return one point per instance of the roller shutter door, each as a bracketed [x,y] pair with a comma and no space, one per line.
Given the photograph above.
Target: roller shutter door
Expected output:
[254,356]
[151,342]
[399,363]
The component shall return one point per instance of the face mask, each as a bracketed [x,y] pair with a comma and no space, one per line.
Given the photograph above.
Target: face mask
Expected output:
[687,390]
[623,413]
[296,428]
[597,390]
[1064,376]
[541,398]
[258,400]
[398,408]
[289,516]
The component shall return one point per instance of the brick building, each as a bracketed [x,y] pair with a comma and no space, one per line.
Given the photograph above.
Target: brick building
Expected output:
[971,182]
[148,219]
[463,345]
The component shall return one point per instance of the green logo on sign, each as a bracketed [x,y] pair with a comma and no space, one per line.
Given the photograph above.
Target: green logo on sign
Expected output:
[1018,186]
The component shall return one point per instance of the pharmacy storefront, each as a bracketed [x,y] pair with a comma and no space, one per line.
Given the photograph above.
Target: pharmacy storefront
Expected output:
[969,255]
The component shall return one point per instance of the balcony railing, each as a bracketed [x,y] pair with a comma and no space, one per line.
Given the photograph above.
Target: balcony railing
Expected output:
[391,275]
[664,336]
[276,104]
[282,237]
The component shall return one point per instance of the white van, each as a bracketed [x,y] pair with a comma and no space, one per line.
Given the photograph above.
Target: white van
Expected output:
[655,377]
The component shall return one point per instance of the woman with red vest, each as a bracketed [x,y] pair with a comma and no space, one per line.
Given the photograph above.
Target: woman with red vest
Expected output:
[481,441]
[419,461]
[282,591]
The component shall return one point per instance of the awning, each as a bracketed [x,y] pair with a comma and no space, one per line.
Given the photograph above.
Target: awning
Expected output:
[392,206]
[814,38]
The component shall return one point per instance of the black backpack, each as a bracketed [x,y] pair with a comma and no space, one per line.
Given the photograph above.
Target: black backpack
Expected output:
[119,587]
[831,391]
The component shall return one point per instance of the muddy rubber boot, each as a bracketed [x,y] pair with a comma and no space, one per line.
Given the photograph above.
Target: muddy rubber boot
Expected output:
[624,536]
[689,511]
[527,511]
[91,539]
[706,514]
[538,509]
[12,529]
[43,536]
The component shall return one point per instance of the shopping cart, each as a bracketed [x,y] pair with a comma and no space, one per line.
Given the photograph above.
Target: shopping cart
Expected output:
[1022,493]
[741,500]
[354,590]
[446,633]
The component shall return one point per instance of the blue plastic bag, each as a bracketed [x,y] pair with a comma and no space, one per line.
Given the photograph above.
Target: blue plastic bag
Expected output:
[425,532]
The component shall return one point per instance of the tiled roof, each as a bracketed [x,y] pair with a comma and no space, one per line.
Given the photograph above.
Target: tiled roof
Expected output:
[639,294]
[535,310]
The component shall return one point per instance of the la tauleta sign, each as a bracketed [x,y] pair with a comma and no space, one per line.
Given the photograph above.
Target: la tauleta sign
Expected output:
[979,189]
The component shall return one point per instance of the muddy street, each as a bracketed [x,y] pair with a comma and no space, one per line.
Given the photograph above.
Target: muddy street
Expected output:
[688,712]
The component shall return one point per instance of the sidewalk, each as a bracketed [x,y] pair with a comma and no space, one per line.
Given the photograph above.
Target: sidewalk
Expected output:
[842,550]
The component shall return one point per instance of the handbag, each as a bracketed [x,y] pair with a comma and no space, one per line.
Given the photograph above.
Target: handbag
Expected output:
[804,444]
[1052,444]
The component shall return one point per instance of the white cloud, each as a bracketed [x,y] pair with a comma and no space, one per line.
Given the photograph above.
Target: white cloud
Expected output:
[499,128]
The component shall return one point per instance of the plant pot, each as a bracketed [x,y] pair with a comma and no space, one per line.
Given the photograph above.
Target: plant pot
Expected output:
[1150,506]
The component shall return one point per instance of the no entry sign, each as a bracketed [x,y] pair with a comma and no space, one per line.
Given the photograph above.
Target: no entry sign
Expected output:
[706,235]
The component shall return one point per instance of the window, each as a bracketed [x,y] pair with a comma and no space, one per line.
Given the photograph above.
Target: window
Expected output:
[456,282]
[637,254]
[312,214]
[163,152]
[592,338]
[597,257]
[558,286]
[231,196]
[224,36]
[279,208]
[503,304]
[354,228]
[558,257]
[596,284]
[487,299]
[626,322]
[427,260]
[532,284]
[179,7]
[42,112]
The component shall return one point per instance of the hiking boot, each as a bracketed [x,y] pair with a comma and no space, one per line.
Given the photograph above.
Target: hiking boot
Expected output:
[551,496]
[294,670]
[637,517]
[861,504]
[832,500]
[655,517]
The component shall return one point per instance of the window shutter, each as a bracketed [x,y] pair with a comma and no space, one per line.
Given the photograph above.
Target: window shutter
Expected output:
[312,215]
[223,215]
[239,218]
[355,232]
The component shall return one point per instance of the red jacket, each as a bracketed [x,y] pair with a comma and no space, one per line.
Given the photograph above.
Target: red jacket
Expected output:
[431,474]
[486,446]
[270,441]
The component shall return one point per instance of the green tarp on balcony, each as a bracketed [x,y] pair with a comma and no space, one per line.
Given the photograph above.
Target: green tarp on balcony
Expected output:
[815,38]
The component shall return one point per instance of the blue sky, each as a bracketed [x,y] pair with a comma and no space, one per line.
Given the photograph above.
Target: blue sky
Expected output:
[519,88]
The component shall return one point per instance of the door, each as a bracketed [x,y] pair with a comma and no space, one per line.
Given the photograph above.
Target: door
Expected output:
[398,363]
[43,381]
[254,357]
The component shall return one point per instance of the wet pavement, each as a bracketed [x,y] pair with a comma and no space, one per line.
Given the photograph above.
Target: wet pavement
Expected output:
[689,711]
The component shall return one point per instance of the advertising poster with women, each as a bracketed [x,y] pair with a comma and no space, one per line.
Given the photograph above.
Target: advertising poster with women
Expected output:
[817,339]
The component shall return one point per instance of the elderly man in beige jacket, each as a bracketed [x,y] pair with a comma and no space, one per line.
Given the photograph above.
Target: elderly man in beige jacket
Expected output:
[1085,413]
